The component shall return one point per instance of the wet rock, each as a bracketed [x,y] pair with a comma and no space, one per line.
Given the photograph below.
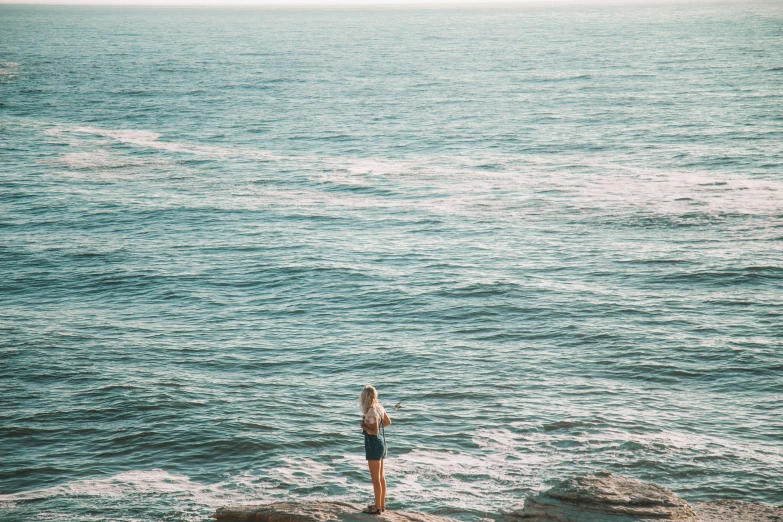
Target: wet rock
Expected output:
[316,512]
[604,497]
[601,497]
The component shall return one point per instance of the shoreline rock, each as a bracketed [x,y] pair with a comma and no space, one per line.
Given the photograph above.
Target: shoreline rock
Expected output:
[316,512]
[599,497]
[605,497]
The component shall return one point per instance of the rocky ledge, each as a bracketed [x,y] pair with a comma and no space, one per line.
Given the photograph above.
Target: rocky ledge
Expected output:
[602,497]
[316,512]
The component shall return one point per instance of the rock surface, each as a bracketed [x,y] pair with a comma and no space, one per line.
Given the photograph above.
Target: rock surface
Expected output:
[604,497]
[316,512]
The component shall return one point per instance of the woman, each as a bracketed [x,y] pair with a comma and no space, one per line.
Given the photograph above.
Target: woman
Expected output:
[373,422]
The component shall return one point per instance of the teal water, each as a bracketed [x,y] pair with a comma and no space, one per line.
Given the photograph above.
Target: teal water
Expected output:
[555,234]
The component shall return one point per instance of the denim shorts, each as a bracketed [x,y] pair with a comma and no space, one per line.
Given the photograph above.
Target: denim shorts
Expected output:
[374,447]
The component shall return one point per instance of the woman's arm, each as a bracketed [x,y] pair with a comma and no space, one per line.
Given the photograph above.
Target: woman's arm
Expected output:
[386,420]
[370,427]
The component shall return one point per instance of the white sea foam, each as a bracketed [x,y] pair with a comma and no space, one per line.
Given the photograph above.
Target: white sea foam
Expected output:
[510,461]
[453,477]
[610,187]
[100,159]
[152,481]
[457,186]
[530,441]
[149,139]
[146,483]
[304,472]
[136,137]
[9,69]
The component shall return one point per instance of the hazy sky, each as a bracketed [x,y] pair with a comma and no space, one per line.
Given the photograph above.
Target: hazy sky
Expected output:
[340,2]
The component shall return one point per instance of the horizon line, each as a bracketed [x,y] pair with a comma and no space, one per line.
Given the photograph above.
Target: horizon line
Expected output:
[363,3]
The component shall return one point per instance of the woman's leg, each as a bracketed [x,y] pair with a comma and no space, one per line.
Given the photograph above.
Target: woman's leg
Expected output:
[375,473]
[383,487]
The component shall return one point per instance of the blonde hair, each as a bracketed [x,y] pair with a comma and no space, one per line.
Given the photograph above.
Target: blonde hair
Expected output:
[368,400]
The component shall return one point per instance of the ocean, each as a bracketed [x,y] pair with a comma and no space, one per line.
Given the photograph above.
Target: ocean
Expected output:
[553,233]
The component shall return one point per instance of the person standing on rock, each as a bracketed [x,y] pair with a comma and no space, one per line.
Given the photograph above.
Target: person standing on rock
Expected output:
[373,422]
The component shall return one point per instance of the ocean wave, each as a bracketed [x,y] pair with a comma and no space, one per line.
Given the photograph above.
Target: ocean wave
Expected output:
[738,275]
[100,160]
[480,289]
[557,78]
[128,483]
[305,472]
[150,139]
[9,71]
[121,496]
[512,461]
[617,194]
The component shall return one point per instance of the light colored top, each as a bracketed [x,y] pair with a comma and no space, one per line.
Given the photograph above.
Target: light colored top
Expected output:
[371,417]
